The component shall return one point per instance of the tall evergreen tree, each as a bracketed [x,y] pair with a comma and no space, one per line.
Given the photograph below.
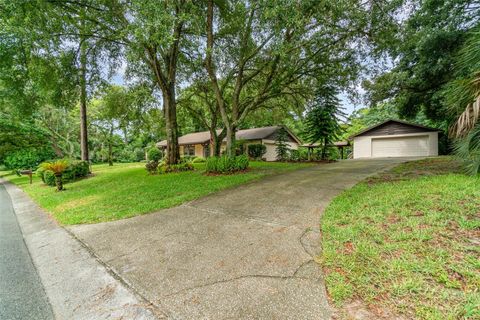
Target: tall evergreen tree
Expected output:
[322,122]
[281,145]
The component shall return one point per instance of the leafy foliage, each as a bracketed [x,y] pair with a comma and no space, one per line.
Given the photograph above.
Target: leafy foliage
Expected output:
[27,158]
[199,160]
[322,122]
[424,55]
[467,149]
[282,148]
[179,167]
[154,154]
[226,164]
[76,169]
[151,166]
[48,177]
[256,150]
[58,168]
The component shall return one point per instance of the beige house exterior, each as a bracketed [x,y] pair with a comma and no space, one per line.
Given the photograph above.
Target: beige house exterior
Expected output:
[395,138]
[198,144]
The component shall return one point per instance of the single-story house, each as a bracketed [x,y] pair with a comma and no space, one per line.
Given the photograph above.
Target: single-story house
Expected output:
[395,138]
[199,143]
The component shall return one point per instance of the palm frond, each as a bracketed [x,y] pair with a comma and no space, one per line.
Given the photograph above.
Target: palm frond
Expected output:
[467,120]
[467,149]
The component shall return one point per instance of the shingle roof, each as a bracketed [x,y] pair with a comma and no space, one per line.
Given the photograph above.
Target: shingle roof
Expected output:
[247,134]
[393,120]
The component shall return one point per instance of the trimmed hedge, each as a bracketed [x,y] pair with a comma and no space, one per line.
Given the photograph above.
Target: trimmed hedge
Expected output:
[225,164]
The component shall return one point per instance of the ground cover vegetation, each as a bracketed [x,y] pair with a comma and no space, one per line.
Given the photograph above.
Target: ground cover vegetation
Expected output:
[406,241]
[126,190]
[100,79]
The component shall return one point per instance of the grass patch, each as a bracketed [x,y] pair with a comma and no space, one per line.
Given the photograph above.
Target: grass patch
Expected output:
[126,190]
[408,241]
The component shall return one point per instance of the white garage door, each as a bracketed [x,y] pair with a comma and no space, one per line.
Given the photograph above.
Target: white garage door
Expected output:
[400,147]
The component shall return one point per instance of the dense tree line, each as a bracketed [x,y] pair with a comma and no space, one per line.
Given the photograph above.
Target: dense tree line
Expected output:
[222,66]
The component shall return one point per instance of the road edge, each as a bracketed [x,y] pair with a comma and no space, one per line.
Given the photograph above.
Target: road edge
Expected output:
[78,285]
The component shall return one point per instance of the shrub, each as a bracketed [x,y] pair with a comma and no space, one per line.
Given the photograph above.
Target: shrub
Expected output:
[27,158]
[241,163]
[154,154]
[57,167]
[239,147]
[257,150]
[151,166]
[180,167]
[49,178]
[76,169]
[40,173]
[187,159]
[199,160]
[467,149]
[225,164]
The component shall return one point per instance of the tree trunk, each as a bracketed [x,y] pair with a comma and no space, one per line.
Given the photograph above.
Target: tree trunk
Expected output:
[217,141]
[83,98]
[59,181]
[110,156]
[110,148]
[230,151]
[170,109]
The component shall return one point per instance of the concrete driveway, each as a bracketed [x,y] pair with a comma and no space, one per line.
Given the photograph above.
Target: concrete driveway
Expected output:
[245,253]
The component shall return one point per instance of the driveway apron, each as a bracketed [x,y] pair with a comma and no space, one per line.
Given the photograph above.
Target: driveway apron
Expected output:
[244,253]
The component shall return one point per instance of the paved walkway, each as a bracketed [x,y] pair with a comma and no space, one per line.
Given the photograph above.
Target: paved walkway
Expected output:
[247,253]
[77,286]
[21,292]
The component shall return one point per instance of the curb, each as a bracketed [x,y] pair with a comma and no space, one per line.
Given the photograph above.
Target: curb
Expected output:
[78,285]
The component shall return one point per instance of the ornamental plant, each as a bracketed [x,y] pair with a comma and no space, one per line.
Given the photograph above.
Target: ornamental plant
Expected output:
[58,168]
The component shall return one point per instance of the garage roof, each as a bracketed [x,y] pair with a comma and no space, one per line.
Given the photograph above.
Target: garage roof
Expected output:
[389,122]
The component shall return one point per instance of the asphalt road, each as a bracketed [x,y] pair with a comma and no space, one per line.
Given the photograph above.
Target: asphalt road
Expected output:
[21,293]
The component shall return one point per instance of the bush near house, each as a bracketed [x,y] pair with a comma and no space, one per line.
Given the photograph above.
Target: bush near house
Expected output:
[151,166]
[199,160]
[256,150]
[225,164]
[180,167]
[154,154]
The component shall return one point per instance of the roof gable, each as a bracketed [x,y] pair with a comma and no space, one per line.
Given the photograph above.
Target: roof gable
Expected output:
[393,127]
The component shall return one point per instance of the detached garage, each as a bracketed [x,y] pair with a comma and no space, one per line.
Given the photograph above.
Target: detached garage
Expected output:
[395,138]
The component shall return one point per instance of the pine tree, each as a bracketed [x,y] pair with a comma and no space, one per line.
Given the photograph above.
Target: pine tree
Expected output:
[282,146]
[322,122]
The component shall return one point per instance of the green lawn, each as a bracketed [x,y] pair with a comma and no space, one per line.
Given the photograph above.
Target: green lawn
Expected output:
[408,241]
[126,190]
